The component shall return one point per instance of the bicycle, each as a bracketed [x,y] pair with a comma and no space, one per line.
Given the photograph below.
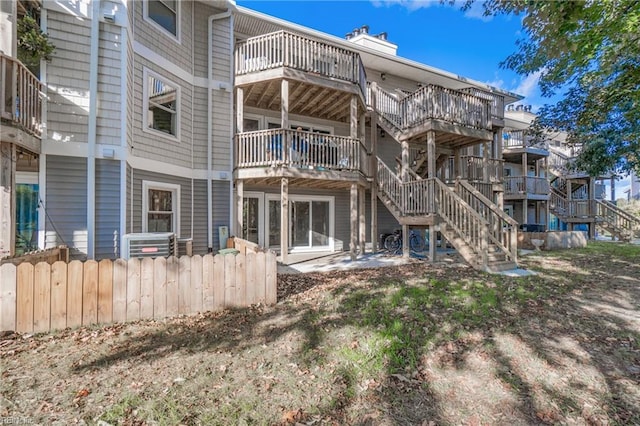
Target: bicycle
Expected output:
[393,242]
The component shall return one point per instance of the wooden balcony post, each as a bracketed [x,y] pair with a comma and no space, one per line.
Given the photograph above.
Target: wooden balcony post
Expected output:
[239,110]
[485,162]
[239,207]
[354,221]
[404,172]
[456,164]
[284,119]
[284,104]
[284,220]
[7,198]
[405,241]
[374,171]
[431,154]
[361,213]
[353,118]
[433,231]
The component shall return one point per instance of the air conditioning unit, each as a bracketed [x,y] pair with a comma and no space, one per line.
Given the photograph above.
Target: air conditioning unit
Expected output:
[148,244]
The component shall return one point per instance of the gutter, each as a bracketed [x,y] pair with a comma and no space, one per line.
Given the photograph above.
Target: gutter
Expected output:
[92,130]
[215,17]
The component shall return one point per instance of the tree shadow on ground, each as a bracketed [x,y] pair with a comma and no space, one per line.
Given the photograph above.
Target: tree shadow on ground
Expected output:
[407,324]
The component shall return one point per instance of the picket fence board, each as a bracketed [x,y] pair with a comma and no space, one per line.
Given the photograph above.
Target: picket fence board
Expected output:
[146,288]
[119,290]
[48,297]
[90,293]
[42,302]
[159,287]
[59,279]
[105,291]
[8,297]
[24,298]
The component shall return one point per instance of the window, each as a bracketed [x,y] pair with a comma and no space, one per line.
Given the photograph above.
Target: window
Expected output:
[161,105]
[161,207]
[164,13]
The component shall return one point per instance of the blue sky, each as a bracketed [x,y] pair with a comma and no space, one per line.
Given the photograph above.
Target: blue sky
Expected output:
[442,36]
[466,43]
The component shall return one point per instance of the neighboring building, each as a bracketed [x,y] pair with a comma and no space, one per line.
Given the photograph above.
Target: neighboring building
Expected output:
[189,117]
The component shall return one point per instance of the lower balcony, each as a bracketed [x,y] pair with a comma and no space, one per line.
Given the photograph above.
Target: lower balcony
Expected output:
[20,105]
[526,187]
[309,158]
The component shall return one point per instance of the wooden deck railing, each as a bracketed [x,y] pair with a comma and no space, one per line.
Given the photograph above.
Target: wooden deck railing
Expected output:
[285,49]
[564,208]
[526,185]
[512,139]
[473,168]
[616,217]
[472,228]
[497,102]
[502,230]
[433,102]
[411,198]
[20,96]
[306,150]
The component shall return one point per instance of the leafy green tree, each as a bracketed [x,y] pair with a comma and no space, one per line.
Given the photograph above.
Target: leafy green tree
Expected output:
[33,43]
[589,51]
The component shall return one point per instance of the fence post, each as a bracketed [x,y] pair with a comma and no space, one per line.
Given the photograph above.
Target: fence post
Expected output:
[7,297]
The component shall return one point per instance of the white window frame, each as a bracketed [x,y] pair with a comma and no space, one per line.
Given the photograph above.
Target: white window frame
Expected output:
[175,37]
[295,124]
[306,198]
[175,203]
[261,214]
[145,105]
[256,117]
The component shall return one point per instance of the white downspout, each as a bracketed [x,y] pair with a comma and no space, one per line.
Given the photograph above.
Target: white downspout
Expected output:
[92,129]
[212,18]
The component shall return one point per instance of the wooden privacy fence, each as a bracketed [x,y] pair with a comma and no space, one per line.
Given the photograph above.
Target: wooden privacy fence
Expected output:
[47,297]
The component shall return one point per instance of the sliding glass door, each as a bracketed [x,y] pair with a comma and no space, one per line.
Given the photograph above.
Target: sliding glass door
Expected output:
[310,222]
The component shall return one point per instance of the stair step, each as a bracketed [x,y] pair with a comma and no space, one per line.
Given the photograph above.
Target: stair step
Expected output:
[501,266]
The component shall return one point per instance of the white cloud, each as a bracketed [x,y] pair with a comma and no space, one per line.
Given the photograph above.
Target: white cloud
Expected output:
[476,11]
[410,5]
[528,85]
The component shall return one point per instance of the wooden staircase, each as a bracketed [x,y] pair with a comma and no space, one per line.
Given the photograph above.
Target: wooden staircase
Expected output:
[616,221]
[481,233]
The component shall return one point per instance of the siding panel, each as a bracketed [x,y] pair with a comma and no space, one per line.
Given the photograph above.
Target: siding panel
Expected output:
[107,209]
[66,203]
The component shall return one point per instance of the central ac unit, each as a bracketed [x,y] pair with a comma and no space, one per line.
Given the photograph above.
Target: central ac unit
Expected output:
[148,244]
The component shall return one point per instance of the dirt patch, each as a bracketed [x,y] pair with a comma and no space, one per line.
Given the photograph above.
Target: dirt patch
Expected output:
[415,344]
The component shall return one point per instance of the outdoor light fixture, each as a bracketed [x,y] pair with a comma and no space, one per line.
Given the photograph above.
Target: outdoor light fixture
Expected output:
[383,76]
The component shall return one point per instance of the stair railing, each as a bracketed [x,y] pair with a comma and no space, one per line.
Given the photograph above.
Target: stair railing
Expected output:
[414,197]
[467,224]
[617,218]
[503,229]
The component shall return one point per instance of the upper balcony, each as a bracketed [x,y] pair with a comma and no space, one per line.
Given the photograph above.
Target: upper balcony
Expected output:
[458,118]
[517,142]
[323,77]
[20,105]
